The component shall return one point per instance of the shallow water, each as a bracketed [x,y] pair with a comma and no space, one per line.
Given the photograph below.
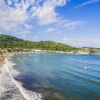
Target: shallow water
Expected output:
[60,76]
[11,89]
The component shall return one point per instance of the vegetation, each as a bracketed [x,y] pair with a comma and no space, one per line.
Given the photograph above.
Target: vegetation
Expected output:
[11,44]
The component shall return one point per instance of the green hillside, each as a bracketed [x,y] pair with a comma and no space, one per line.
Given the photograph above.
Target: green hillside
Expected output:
[8,38]
[12,44]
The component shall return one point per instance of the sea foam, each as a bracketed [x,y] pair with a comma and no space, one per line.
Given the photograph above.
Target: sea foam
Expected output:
[10,89]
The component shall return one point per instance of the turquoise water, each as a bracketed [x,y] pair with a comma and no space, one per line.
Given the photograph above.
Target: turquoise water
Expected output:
[60,76]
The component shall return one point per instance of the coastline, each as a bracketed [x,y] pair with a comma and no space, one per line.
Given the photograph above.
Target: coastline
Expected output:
[39,50]
[27,50]
[2,61]
[6,54]
[23,92]
[3,55]
[8,82]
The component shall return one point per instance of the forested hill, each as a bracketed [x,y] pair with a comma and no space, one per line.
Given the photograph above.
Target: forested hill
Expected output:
[8,38]
[7,41]
[11,44]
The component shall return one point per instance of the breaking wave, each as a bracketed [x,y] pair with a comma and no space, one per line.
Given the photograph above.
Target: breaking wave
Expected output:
[10,89]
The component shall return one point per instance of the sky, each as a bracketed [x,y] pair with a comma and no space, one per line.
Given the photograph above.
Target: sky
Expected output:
[73,22]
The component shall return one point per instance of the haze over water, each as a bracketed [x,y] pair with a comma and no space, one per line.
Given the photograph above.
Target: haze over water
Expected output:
[60,76]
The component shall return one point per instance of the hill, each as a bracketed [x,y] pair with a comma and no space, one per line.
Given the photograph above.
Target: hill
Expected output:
[10,42]
[13,44]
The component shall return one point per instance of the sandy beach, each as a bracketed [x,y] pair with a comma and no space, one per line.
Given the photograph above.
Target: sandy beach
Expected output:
[2,58]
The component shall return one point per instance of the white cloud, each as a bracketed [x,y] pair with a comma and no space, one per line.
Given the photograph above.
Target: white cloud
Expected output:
[70,24]
[46,13]
[63,26]
[11,18]
[87,3]
[14,13]
[82,42]
[50,30]
[15,16]
[28,26]
[23,34]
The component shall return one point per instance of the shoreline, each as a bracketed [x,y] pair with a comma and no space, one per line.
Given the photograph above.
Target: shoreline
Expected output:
[20,92]
[19,86]
[3,55]
[48,51]
[14,51]
[2,61]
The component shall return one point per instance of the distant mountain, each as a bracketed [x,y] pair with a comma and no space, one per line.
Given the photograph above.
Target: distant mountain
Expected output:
[13,44]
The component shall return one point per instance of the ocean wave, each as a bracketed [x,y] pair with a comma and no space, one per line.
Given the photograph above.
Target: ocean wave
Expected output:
[10,89]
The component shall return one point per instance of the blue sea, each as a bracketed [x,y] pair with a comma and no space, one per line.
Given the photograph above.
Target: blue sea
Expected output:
[59,76]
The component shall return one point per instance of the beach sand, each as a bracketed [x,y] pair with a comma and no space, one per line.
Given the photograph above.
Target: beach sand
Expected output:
[2,58]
